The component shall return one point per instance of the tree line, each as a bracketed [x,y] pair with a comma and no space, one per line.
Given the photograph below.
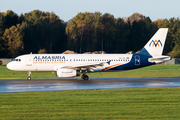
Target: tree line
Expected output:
[44,32]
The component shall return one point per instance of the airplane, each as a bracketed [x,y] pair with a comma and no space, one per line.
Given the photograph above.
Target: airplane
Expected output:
[71,65]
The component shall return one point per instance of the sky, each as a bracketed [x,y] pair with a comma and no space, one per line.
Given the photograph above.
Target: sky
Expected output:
[67,9]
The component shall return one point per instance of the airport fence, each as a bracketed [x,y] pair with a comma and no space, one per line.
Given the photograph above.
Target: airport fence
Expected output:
[4,61]
[173,61]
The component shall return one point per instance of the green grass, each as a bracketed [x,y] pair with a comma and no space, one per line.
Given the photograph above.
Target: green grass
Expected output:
[140,103]
[123,104]
[151,71]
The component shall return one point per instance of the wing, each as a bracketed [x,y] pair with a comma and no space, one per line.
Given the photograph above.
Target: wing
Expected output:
[88,66]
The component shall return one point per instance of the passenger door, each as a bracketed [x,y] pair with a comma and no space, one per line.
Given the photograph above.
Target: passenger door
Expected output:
[29,61]
[137,60]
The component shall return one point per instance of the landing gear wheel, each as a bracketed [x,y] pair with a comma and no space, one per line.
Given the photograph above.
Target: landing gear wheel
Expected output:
[29,78]
[84,77]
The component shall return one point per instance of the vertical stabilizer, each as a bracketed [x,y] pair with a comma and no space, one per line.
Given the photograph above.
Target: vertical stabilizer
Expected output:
[155,45]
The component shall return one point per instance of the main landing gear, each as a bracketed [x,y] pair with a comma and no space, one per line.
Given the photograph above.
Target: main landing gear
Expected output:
[29,76]
[84,77]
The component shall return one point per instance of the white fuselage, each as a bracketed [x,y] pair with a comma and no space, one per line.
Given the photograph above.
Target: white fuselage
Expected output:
[51,62]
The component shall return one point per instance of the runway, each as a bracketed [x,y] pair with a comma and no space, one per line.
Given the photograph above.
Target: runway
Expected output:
[23,85]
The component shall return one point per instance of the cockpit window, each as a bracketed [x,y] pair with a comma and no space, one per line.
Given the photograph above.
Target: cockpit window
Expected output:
[18,60]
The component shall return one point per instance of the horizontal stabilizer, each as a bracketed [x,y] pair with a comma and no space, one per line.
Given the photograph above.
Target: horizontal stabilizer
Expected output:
[159,59]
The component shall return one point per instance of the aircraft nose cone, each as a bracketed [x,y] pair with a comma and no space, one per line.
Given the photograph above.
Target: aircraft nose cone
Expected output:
[9,66]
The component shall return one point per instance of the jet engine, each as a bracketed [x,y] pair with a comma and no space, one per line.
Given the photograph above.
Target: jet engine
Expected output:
[65,72]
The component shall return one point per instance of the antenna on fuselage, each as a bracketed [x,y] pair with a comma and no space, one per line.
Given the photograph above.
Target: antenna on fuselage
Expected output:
[31,53]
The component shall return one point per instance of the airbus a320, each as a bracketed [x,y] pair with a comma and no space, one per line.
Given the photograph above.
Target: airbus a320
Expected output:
[71,65]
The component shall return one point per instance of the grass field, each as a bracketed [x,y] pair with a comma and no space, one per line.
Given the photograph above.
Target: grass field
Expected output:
[123,104]
[151,71]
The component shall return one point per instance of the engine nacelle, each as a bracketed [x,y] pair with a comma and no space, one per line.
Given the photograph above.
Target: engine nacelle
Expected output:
[65,72]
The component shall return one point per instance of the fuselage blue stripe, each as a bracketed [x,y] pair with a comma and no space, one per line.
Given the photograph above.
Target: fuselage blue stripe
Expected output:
[133,64]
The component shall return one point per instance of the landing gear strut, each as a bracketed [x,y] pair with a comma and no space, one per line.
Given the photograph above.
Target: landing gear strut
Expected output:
[29,76]
[84,76]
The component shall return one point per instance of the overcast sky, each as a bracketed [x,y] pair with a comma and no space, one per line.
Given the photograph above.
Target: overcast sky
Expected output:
[67,9]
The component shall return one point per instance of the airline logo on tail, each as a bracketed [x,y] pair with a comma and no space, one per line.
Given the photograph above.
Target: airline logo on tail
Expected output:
[155,43]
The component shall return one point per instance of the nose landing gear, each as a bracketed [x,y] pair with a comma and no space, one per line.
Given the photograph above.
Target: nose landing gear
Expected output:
[29,76]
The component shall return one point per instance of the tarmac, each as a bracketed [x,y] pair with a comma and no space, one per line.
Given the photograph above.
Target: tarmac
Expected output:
[23,85]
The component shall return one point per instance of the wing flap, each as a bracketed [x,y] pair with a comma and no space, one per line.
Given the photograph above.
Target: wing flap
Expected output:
[88,66]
